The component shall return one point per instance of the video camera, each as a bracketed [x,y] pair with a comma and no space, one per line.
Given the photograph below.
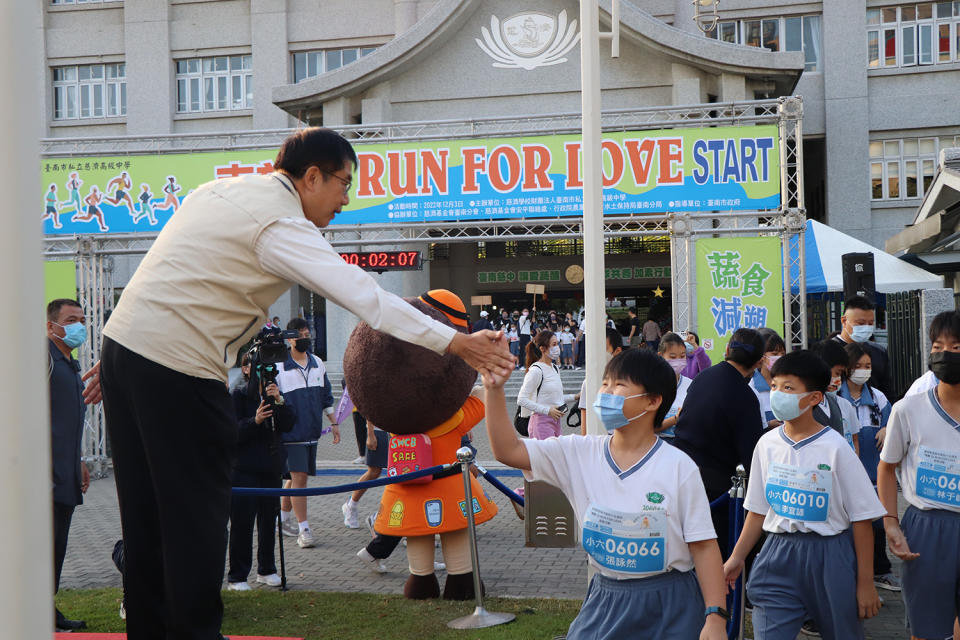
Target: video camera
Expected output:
[266,352]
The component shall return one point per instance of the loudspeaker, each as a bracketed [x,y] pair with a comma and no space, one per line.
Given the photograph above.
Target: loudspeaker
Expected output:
[858,276]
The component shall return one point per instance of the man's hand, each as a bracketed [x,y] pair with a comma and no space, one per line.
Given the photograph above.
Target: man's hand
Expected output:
[273,391]
[92,393]
[336,432]
[263,412]
[898,542]
[84,477]
[868,602]
[484,351]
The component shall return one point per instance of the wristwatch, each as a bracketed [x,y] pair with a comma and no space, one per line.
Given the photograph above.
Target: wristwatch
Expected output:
[720,611]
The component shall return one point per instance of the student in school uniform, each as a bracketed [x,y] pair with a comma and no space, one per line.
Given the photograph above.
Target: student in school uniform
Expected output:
[873,410]
[640,504]
[674,351]
[922,450]
[773,349]
[809,492]
[834,411]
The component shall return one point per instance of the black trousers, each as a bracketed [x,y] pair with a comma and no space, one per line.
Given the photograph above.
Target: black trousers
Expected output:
[382,546]
[62,516]
[881,563]
[174,440]
[244,511]
[360,430]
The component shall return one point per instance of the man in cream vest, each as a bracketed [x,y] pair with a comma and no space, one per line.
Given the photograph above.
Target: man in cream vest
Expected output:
[201,292]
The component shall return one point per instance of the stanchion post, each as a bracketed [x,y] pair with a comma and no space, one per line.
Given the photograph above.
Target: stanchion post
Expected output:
[283,563]
[480,618]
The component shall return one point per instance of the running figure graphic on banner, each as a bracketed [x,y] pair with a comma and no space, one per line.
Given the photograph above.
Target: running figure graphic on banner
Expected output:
[73,185]
[93,211]
[50,210]
[171,189]
[123,186]
[146,208]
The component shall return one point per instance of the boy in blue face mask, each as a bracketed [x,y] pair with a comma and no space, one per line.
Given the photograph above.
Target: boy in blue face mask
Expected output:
[640,504]
[807,490]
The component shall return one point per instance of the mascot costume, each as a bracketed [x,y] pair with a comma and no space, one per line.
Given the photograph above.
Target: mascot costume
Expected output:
[412,392]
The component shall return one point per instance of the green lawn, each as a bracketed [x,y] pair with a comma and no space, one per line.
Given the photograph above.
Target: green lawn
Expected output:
[344,616]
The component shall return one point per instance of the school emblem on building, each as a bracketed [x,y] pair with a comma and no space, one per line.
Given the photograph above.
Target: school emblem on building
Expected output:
[529,40]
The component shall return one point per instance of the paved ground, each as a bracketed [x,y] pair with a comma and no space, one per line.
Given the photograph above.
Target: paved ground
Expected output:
[507,566]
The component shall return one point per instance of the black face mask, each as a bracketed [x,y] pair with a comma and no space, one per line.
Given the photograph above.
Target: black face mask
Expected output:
[946,366]
[302,345]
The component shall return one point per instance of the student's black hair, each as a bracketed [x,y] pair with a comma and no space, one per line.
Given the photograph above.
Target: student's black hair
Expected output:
[831,352]
[854,352]
[765,333]
[859,302]
[745,347]
[644,367]
[296,324]
[614,339]
[670,338]
[774,343]
[945,323]
[810,368]
[314,147]
[632,310]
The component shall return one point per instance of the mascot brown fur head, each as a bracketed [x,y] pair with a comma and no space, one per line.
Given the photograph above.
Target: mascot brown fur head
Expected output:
[401,387]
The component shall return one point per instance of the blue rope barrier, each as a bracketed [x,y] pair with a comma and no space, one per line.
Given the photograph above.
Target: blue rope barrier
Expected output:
[719,502]
[342,488]
[504,489]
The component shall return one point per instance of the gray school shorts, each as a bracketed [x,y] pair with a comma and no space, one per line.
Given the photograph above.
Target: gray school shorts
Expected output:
[931,583]
[301,457]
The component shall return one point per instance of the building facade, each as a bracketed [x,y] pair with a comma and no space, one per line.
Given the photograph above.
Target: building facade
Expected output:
[878,81]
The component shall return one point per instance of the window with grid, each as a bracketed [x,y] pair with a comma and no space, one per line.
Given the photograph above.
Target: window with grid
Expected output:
[220,83]
[793,33]
[904,168]
[63,2]
[89,91]
[910,35]
[309,64]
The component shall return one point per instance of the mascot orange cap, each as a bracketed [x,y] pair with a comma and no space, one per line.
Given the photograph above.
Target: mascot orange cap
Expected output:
[449,304]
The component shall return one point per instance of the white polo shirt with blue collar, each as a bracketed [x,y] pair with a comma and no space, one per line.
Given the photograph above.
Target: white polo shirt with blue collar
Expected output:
[925,441]
[633,523]
[816,485]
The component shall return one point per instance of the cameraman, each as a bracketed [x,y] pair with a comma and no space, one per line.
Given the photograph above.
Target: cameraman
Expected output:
[260,460]
[304,383]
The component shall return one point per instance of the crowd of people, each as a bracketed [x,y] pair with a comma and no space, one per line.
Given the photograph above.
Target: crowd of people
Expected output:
[818,431]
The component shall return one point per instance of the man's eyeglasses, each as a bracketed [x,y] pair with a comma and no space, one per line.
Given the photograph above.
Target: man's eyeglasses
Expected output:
[346,183]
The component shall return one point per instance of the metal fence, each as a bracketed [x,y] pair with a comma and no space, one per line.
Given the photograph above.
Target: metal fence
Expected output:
[904,327]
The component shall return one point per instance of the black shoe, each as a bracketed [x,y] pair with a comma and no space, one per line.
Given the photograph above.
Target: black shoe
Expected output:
[62,624]
[810,629]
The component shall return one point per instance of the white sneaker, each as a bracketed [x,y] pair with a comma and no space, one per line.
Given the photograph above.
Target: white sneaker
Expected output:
[350,518]
[305,539]
[375,564]
[359,460]
[290,528]
[238,586]
[272,580]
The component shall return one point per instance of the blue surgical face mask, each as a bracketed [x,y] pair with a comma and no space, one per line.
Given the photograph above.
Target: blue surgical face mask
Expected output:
[862,332]
[786,406]
[609,408]
[75,334]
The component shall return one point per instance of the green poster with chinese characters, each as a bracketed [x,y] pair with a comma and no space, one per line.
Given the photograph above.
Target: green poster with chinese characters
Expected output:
[739,284]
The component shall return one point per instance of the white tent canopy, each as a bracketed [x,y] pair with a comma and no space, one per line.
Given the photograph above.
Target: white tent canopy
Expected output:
[824,247]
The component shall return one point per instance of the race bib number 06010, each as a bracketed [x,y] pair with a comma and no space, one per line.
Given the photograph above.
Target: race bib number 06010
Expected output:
[797,493]
[626,542]
[938,476]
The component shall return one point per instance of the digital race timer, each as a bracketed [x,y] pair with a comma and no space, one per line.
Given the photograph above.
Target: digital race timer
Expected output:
[384,260]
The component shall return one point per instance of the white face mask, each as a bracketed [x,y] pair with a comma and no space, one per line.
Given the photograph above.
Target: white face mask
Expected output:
[860,376]
[554,352]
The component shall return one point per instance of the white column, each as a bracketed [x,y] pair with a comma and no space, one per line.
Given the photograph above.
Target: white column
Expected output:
[26,597]
[151,92]
[271,59]
[594,286]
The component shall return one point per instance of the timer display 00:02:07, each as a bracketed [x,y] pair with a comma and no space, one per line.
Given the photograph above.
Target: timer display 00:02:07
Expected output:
[384,260]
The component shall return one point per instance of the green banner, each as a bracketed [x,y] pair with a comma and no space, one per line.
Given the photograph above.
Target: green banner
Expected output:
[739,284]
[60,280]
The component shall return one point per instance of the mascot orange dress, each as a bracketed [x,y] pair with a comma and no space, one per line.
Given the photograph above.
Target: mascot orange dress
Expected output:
[405,390]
